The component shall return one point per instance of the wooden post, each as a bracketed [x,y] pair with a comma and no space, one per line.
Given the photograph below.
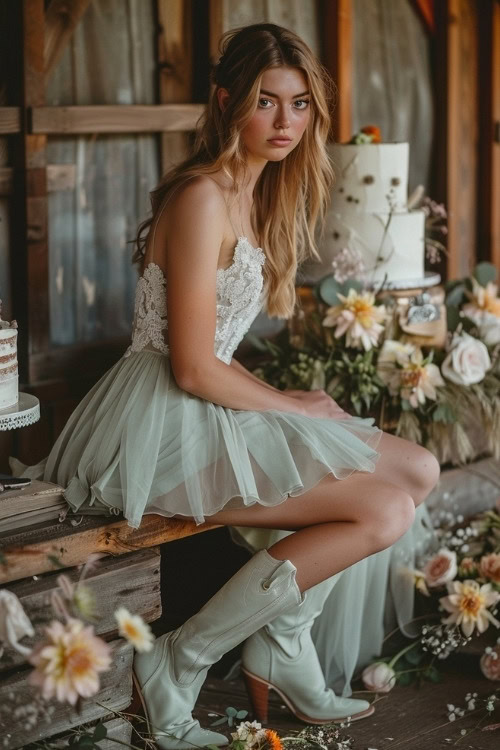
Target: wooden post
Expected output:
[338,55]
[488,196]
[174,71]
[456,128]
[29,248]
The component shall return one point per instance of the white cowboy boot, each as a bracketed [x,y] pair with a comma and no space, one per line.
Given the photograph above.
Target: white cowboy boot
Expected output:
[281,656]
[172,673]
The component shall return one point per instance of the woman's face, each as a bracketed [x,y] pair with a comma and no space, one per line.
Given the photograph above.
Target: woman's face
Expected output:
[282,115]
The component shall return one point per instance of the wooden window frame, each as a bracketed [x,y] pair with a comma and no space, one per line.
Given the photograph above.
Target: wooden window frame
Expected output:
[41,36]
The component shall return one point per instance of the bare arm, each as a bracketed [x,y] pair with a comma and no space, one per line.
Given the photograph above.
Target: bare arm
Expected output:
[188,253]
[238,366]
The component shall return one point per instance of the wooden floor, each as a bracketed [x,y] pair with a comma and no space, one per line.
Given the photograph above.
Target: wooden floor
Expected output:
[408,718]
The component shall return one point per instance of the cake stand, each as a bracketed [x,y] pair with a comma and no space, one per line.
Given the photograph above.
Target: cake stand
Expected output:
[22,414]
[430,279]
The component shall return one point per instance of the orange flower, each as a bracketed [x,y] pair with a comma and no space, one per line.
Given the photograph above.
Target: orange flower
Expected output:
[273,739]
[374,131]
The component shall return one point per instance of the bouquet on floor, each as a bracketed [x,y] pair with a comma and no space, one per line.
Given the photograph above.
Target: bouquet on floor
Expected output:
[459,588]
[360,346]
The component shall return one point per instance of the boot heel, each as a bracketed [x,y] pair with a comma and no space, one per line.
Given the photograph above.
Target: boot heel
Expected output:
[258,692]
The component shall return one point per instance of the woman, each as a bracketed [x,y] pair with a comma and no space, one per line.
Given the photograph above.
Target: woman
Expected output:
[179,428]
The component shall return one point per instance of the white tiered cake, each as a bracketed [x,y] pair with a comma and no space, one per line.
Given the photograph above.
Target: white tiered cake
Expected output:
[369,215]
[8,363]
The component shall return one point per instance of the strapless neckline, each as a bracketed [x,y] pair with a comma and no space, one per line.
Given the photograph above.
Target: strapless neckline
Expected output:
[240,242]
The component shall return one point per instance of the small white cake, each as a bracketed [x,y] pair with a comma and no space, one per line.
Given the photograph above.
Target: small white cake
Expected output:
[9,378]
[368,214]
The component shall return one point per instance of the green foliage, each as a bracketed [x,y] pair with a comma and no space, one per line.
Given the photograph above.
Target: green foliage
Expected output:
[231,715]
[328,289]
[484,273]
[87,740]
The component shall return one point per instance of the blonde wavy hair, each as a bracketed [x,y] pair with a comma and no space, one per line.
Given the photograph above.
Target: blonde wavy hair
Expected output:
[290,195]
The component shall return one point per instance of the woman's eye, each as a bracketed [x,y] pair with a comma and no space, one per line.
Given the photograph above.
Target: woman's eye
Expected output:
[301,103]
[264,103]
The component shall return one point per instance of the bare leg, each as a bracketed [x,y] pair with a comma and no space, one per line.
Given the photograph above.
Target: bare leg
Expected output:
[339,522]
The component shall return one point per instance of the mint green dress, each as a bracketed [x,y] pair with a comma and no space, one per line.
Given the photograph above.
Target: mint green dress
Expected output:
[139,444]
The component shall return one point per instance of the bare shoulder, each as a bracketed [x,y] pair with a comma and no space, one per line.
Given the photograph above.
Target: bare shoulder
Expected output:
[198,198]
[193,216]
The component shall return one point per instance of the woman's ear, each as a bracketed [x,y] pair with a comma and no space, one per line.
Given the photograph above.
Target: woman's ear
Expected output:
[222,98]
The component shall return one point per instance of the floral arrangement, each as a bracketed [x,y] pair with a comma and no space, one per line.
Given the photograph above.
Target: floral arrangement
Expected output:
[358,346]
[459,588]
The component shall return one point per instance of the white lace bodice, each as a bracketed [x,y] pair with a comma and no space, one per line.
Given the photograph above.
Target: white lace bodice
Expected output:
[240,297]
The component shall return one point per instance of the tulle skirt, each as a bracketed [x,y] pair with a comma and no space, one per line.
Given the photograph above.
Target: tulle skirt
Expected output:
[139,444]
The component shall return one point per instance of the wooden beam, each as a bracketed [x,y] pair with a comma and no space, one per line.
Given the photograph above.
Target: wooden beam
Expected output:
[338,58]
[50,546]
[61,20]
[59,177]
[174,52]
[115,119]
[10,120]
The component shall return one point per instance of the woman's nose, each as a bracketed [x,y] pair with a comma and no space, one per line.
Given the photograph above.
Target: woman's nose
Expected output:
[282,120]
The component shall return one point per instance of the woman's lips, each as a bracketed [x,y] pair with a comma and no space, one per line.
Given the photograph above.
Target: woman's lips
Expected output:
[280,142]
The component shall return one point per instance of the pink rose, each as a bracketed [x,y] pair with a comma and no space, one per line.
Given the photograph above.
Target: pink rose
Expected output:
[441,568]
[490,663]
[489,567]
[467,362]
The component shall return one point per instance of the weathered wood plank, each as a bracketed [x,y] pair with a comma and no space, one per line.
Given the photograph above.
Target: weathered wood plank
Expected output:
[131,580]
[408,718]
[15,695]
[10,120]
[59,177]
[61,19]
[46,547]
[115,118]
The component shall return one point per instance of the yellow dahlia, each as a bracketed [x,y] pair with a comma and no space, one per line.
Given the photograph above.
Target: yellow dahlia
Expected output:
[358,317]
[68,662]
[468,604]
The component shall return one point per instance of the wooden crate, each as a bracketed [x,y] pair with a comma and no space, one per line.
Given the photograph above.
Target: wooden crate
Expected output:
[131,580]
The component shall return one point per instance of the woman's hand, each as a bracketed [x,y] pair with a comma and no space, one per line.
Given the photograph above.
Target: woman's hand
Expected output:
[318,404]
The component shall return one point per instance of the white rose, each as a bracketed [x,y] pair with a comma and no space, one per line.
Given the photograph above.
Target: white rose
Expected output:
[489,329]
[467,361]
[379,677]
[441,568]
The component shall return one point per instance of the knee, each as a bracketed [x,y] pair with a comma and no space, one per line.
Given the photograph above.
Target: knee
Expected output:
[425,475]
[421,474]
[391,518]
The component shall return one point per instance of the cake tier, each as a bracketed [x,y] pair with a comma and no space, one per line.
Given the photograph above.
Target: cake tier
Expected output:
[9,381]
[371,177]
[388,244]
